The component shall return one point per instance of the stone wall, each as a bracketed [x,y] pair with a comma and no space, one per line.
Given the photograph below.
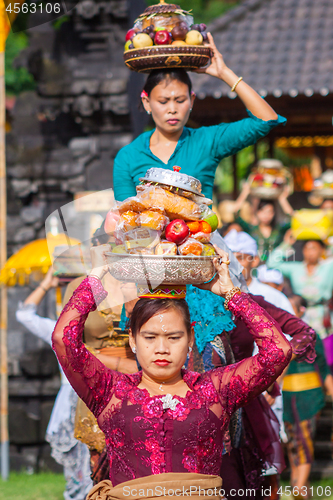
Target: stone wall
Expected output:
[63,139]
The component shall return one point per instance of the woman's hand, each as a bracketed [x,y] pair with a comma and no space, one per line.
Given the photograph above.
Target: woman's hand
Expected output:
[221,283]
[50,281]
[289,238]
[217,66]
[98,260]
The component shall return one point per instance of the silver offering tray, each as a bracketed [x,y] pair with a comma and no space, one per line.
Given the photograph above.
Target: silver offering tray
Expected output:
[175,179]
[157,270]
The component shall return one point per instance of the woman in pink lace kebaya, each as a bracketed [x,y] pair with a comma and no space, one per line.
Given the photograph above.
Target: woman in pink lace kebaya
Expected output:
[164,426]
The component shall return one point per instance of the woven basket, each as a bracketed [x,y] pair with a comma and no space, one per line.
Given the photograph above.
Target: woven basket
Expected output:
[168,56]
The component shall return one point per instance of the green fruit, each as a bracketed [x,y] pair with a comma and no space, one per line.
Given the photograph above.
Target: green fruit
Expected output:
[212,221]
[159,29]
[127,44]
[207,250]
[119,249]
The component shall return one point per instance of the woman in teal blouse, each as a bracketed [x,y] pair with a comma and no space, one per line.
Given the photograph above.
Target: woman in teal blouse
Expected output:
[168,98]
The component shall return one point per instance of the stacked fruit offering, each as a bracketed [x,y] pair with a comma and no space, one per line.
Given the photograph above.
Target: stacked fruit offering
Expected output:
[173,27]
[159,221]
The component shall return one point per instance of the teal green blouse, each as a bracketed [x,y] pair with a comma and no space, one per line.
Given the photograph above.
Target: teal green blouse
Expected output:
[198,153]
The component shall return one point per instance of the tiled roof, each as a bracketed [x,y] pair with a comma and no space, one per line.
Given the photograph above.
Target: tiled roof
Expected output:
[278,46]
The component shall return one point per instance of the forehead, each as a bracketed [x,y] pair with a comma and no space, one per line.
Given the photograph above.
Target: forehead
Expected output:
[268,206]
[312,245]
[170,87]
[170,319]
[243,256]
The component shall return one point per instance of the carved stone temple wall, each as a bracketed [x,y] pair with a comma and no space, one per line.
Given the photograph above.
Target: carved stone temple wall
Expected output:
[63,139]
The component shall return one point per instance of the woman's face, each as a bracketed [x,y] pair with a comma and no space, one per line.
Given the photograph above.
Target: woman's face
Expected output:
[162,344]
[170,104]
[266,214]
[312,252]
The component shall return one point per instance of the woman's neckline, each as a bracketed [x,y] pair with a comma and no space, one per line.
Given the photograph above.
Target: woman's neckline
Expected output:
[188,377]
[179,142]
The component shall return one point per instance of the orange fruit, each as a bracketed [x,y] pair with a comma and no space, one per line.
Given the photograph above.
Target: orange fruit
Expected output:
[194,227]
[205,227]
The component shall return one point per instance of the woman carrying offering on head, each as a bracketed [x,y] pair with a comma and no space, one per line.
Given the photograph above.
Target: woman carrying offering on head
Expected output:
[164,426]
[168,97]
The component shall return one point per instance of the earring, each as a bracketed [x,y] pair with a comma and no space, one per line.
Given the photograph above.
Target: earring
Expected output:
[190,110]
[134,350]
[189,349]
[148,112]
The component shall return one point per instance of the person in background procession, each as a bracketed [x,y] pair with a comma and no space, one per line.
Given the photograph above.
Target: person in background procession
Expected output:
[312,279]
[65,449]
[167,96]
[303,388]
[246,251]
[267,232]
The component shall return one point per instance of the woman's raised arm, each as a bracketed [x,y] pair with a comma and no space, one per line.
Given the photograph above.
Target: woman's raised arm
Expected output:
[237,384]
[88,376]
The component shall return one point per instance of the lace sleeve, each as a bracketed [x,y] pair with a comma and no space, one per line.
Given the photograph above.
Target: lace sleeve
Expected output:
[303,336]
[237,384]
[89,377]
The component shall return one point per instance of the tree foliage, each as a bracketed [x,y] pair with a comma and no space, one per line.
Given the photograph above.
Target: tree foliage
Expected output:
[203,11]
[17,79]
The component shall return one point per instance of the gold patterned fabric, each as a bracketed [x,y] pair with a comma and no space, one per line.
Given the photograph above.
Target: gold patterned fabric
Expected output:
[177,484]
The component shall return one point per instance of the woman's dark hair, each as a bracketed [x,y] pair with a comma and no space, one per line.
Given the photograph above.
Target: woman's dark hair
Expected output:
[159,75]
[262,204]
[145,309]
[321,243]
[100,236]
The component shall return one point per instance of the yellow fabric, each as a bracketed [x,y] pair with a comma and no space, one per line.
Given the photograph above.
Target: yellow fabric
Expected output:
[177,484]
[4,26]
[36,256]
[298,382]
[307,224]
[6,20]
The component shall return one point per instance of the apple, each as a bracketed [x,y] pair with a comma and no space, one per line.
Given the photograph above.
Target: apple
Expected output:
[111,221]
[213,221]
[179,32]
[177,231]
[130,34]
[194,37]
[142,40]
[162,37]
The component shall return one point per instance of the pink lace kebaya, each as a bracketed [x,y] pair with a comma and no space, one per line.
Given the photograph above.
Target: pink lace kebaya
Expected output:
[148,434]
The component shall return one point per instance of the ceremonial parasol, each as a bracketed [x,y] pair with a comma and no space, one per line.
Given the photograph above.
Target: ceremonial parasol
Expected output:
[35,257]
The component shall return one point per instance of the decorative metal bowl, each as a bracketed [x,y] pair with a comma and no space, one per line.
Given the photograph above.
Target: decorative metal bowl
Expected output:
[267,193]
[168,56]
[324,192]
[156,270]
[173,178]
